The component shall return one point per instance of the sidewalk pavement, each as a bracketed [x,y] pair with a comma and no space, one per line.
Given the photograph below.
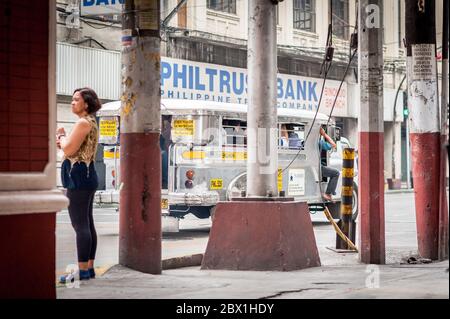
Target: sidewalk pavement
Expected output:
[340,276]
[325,282]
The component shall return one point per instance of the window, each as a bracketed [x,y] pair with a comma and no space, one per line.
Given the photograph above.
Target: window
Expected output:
[234,132]
[305,15]
[291,136]
[228,6]
[340,11]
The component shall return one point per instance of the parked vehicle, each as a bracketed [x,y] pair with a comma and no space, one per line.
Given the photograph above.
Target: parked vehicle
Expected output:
[207,157]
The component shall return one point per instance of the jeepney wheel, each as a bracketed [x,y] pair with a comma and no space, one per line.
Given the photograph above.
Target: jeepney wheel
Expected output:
[236,186]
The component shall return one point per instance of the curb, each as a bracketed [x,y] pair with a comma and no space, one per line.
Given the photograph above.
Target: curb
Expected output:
[184,261]
[166,264]
[396,191]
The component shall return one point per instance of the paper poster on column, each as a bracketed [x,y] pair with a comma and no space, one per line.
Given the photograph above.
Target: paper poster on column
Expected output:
[296,182]
[423,62]
[423,90]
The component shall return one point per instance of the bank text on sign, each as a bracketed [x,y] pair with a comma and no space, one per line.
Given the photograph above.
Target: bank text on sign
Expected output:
[101,7]
[190,80]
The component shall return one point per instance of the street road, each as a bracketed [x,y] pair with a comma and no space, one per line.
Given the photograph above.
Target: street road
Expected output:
[193,236]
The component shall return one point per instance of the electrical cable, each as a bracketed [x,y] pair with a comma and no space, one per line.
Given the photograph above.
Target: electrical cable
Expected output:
[340,85]
[329,44]
[325,68]
[98,28]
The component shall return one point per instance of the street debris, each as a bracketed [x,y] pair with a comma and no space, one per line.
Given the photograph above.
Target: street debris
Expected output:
[416,259]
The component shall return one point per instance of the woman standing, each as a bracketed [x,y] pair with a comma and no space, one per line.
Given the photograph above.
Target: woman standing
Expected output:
[79,177]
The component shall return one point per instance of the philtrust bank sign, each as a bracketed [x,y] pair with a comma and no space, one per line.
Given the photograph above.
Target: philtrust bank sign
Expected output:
[181,79]
[101,7]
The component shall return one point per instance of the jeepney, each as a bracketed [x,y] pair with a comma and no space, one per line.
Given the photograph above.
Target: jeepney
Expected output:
[207,155]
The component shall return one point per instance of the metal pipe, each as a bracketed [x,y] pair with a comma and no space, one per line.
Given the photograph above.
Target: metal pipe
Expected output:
[408,156]
[394,126]
[262,163]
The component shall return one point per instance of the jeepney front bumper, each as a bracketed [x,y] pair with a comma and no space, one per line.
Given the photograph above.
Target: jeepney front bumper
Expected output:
[209,198]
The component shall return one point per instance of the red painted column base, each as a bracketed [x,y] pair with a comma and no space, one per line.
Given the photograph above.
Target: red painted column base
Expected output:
[425,150]
[261,236]
[371,197]
[27,256]
[140,202]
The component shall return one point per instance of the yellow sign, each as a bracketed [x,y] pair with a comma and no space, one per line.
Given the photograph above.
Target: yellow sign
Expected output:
[235,156]
[110,154]
[193,155]
[108,127]
[164,203]
[216,183]
[183,128]
[280,180]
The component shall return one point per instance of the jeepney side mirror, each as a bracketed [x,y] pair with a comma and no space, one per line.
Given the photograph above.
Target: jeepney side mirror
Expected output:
[335,133]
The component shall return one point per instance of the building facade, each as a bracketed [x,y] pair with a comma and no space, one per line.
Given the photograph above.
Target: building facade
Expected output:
[213,34]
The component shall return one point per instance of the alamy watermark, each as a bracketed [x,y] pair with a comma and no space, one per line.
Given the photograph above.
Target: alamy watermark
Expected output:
[373,277]
[373,19]
[73,276]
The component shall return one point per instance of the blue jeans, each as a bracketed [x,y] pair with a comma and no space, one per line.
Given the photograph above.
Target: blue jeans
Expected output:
[333,174]
[164,169]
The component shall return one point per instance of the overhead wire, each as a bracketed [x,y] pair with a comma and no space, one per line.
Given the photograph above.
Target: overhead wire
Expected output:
[326,69]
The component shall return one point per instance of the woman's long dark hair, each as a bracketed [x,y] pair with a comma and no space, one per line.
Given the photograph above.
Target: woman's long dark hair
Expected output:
[90,98]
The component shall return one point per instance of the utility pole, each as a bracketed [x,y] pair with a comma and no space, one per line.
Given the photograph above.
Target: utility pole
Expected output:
[443,208]
[424,119]
[262,148]
[140,160]
[371,133]
[261,231]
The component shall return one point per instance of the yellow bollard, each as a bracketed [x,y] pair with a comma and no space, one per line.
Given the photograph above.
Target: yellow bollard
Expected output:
[346,223]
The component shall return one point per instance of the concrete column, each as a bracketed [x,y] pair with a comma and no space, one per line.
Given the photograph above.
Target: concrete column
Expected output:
[424,120]
[443,205]
[257,232]
[140,159]
[392,156]
[351,131]
[29,199]
[262,161]
[371,136]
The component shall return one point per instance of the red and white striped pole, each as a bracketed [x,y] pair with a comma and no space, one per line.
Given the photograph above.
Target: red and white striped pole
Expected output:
[140,154]
[424,121]
[371,133]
